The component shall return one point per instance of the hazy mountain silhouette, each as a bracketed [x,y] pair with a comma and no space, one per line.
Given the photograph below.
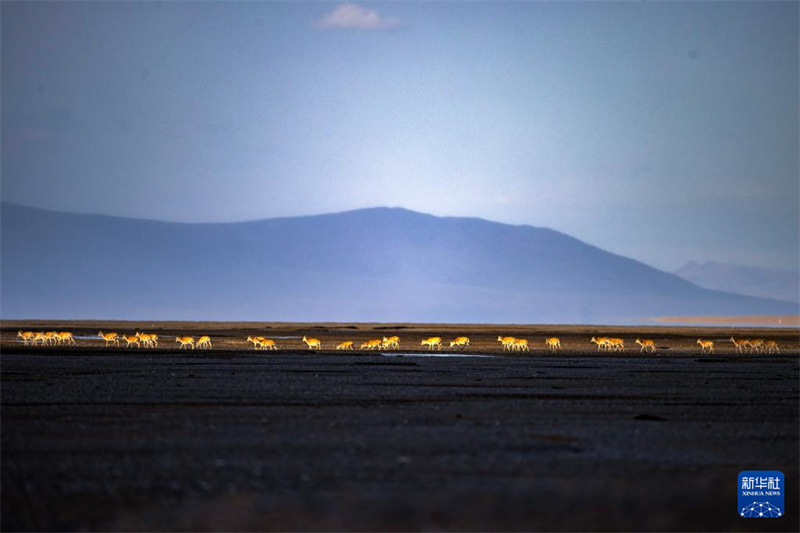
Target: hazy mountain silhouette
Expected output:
[377,264]
[752,281]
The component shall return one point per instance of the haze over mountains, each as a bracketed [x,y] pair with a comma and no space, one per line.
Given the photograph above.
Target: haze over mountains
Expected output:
[369,265]
[762,282]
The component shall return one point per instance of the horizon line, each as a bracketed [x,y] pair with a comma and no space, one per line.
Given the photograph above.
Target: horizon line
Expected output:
[4,203]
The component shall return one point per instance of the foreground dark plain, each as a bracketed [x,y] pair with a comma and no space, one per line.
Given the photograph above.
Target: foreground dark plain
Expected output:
[234,439]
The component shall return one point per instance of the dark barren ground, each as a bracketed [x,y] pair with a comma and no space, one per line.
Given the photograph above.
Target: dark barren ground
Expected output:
[233,439]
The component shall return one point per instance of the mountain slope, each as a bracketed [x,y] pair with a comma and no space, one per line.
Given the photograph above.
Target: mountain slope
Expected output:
[752,281]
[375,264]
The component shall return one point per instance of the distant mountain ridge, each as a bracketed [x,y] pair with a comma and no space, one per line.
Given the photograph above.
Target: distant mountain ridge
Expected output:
[781,285]
[367,265]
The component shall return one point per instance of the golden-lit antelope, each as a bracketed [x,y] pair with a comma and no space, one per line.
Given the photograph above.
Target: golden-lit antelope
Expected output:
[430,342]
[372,344]
[647,345]
[39,337]
[51,337]
[312,343]
[741,344]
[185,341]
[109,338]
[392,342]
[262,343]
[143,338]
[706,345]
[204,342]
[507,342]
[66,337]
[756,345]
[346,345]
[460,342]
[131,339]
[267,344]
[554,343]
[772,346]
[601,342]
[521,345]
[153,339]
[26,336]
[617,345]
[149,340]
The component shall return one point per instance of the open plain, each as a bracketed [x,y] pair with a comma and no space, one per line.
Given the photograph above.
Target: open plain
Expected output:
[231,438]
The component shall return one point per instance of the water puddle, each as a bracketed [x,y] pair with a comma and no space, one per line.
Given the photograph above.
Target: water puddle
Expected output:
[433,354]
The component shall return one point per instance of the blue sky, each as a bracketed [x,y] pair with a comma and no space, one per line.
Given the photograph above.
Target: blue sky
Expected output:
[664,131]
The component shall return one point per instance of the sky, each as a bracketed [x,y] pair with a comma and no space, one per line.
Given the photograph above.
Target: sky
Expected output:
[662,131]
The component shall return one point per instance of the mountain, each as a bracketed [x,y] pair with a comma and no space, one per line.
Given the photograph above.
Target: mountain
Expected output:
[369,265]
[762,282]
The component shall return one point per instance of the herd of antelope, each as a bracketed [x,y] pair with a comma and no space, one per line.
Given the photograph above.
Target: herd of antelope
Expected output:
[46,338]
[150,340]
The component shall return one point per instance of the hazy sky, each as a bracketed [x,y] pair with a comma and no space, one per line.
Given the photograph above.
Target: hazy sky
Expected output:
[664,131]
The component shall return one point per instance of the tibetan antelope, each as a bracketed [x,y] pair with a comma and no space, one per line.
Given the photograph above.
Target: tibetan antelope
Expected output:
[521,345]
[142,338]
[204,342]
[601,342]
[741,344]
[109,338]
[507,342]
[65,337]
[756,345]
[430,342]
[706,345]
[647,345]
[41,337]
[26,336]
[617,345]
[149,340]
[131,339]
[51,337]
[371,345]
[262,343]
[772,346]
[185,341]
[268,344]
[312,343]
[392,342]
[554,343]
[346,345]
[460,342]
